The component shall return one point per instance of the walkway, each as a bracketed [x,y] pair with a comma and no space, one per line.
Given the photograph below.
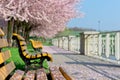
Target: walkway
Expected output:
[83,67]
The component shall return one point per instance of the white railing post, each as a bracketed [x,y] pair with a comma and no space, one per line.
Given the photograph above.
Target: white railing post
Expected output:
[90,44]
[86,44]
[82,43]
[69,43]
[117,46]
[95,40]
[100,45]
[66,43]
[107,45]
[60,43]
[63,42]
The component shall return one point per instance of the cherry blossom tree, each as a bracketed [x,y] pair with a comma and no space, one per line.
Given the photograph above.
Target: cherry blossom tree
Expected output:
[58,13]
[42,17]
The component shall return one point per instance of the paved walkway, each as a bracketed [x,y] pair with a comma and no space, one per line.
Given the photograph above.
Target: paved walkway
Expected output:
[83,67]
[55,50]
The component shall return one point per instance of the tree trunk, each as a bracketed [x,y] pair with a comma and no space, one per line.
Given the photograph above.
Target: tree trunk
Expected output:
[28,28]
[10,31]
[15,30]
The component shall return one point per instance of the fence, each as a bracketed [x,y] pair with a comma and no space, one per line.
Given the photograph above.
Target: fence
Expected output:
[105,45]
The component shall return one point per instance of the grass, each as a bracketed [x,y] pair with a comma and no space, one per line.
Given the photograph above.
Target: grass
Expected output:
[16,58]
[19,63]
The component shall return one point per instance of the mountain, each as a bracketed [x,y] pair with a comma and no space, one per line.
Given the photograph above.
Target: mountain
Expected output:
[81,29]
[73,31]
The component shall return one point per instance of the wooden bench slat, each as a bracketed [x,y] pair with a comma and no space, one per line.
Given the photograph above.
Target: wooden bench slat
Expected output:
[3,43]
[4,56]
[66,74]
[6,70]
[18,75]
[56,74]
[36,44]
[24,48]
[1,32]
[22,43]
[30,75]
[41,75]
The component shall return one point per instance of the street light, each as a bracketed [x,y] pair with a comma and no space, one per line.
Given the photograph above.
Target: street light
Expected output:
[99,25]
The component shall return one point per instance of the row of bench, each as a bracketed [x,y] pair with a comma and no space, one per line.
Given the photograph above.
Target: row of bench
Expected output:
[8,72]
[39,74]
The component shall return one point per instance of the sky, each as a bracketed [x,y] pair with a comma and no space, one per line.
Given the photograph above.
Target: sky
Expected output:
[103,15]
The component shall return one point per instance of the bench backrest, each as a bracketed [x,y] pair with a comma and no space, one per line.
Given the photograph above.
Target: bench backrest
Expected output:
[36,44]
[22,47]
[5,67]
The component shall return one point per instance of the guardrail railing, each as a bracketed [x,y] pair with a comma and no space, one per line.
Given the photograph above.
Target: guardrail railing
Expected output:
[104,45]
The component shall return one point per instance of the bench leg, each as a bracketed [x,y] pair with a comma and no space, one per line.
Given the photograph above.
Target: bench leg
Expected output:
[41,62]
[27,62]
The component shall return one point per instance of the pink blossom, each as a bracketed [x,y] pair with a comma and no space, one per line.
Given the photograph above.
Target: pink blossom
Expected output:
[49,16]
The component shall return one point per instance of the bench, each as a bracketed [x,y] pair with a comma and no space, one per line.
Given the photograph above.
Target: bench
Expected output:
[26,55]
[6,68]
[37,45]
[8,72]
[59,73]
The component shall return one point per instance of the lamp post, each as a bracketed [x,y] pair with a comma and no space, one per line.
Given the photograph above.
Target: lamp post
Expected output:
[99,25]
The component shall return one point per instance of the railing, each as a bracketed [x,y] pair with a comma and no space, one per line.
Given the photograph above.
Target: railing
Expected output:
[71,43]
[105,45]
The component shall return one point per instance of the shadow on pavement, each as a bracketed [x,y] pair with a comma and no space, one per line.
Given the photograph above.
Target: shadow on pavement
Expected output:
[93,64]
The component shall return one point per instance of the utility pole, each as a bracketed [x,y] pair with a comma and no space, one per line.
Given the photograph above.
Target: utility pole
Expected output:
[99,25]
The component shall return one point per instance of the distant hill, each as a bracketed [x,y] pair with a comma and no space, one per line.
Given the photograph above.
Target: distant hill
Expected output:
[72,31]
[81,29]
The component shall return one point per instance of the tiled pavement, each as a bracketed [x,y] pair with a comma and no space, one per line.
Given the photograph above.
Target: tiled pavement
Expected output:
[83,67]
[55,50]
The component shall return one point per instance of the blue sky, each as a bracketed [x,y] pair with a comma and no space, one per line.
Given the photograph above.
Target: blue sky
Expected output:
[101,15]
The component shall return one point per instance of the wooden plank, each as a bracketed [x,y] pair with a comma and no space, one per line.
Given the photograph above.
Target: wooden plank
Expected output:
[30,75]
[6,70]
[18,75]
[66,74]
[22,43]
[56,74]
[1,32]
[24,48]
[41,75]
[4,56]
[3,43]
[36,44]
